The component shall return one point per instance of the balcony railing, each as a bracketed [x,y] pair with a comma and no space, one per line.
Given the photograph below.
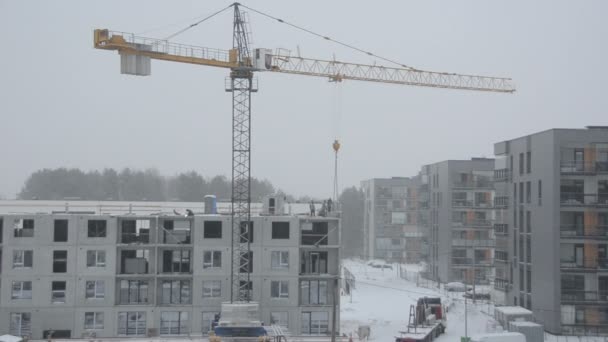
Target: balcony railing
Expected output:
[473,243]
[135,238]
[458,261]
[470,204]
[584,296]
[579,199]
[501,202]
[583,167]
[585,264]
[501,284]
[472,223]
[24,232]
[475,184]
[579,232]
[501,229]
[502,175]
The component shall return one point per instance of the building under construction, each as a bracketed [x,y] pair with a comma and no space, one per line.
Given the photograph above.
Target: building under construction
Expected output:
[82,273]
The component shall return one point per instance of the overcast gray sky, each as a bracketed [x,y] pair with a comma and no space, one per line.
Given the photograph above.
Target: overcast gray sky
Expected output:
[63,103]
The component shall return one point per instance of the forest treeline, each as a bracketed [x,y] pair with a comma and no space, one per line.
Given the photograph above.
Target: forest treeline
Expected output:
[131,185]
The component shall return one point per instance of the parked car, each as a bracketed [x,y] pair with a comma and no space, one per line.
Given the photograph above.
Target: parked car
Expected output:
[455,287]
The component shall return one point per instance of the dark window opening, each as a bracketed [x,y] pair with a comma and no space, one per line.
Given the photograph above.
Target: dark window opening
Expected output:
[60,261]
[135,231]
[176,261]
[246,263]
[48,334]
[97,228]
[280,230]
[176,231]
[134,261]
[24,228]
[212,230]
[60,231]
[316,235]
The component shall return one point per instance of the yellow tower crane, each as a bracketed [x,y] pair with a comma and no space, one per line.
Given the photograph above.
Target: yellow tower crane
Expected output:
[136,53]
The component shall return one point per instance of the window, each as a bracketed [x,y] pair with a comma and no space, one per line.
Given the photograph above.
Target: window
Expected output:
[528,250]
[521,192]
[173,323]
[315,323]
[521,218]
[246,289]
[96,229]
[528,221]
[23,259]
[96,258]
[134,292]
[176,292]
[58,291]
[313,292]
[521,281]
[315,235]
[279,289]
[134,261]
[176,231]
[280,318]
[94,289]
[279,259]
[21,290]
[528,281]
[246,263]
[93,320]
[521,163]
[60,232]
[212,230]
[23,228]
[247,235]
[212,288]
[212,259]
[21,324]
[132,323]
[60,261]
[280,230]
[528,162]
[135,231]
[528,192]
[208,319]
[176,261]
[313,262]
[540,192]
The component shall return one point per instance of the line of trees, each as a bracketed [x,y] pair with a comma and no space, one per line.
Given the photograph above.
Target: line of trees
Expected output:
[131,185]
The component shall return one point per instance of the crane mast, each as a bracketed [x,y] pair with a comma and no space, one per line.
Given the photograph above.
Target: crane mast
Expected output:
[241,85]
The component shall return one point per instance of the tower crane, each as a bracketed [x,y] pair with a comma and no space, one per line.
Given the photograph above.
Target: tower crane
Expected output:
[136,53]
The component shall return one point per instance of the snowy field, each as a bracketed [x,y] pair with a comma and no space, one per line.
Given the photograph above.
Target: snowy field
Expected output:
[382,300]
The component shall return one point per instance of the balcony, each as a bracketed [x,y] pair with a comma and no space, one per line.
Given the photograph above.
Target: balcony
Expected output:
[502,175]
[472,243]
[136,238]
[584,296]
[474,184]
[579,199]
[583,168]
[501,202]
[460,261]
[585,264]
[458,203]
[501,229]
[472,223]
[501,284]
[582,232]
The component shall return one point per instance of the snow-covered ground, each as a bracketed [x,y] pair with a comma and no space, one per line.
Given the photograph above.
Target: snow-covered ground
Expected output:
[382,300]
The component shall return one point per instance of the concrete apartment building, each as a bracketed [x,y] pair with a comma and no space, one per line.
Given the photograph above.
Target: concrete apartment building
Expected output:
[552,246]
[460,195]
[389,226]
[84,275]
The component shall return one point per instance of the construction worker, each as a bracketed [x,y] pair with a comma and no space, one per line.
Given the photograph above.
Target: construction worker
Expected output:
[329,203]
[312,208]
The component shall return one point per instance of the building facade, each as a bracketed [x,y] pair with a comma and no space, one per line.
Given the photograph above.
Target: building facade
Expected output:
[389,227]
[552,242]
[460,197]
[84,275]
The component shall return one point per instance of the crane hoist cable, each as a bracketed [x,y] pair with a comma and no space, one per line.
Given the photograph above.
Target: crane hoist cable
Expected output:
[330,39]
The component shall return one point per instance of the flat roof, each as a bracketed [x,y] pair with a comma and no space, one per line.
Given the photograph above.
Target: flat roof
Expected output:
[513,310]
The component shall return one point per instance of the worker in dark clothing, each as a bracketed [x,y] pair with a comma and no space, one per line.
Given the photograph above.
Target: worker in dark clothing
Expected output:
[312,208]
[329,203]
